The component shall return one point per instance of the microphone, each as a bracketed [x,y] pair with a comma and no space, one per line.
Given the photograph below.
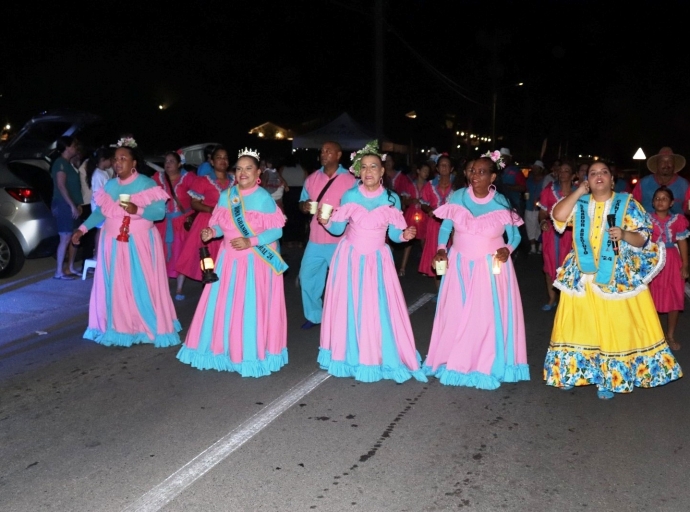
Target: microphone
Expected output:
[611,221]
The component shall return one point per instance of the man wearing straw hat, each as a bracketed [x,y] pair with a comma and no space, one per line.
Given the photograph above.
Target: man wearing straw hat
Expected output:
[664,167]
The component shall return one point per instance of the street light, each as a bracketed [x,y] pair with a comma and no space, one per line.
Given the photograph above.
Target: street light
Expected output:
[493,106]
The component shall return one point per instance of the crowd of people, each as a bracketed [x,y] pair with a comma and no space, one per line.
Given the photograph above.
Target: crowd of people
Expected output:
[613,254]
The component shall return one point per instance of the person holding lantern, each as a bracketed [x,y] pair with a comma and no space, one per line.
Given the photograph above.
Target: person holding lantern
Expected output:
[240,323]
[413,213]
[204,191]
[478,336]
[365,330]
[130,298]
[435,193]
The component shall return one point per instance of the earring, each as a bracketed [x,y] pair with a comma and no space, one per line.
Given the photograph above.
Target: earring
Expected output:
[492,187]
[380,181]
[134,170]
[258,181]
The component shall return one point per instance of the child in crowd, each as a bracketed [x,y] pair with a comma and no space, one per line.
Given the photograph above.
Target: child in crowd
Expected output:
[668,287]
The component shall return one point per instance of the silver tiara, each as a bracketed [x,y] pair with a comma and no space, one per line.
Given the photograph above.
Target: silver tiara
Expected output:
[248,152]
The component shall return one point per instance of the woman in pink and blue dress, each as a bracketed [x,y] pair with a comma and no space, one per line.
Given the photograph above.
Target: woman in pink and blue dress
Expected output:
[478,335]
[177,182]
[365,327]
[130,298]
[204,192]
[435,194]
[240,323]
[668,288]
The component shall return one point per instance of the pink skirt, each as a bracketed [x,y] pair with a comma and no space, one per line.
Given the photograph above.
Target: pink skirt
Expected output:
[668,286]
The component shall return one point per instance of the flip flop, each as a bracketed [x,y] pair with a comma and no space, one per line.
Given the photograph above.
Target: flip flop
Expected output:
[605,394]
[549,307]
[66,277]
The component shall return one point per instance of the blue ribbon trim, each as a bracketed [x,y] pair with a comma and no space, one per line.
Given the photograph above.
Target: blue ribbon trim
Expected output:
[266,253]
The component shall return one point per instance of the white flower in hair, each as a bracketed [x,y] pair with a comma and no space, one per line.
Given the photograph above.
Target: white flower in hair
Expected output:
[127,142]
[248,152]
[371,148]
[495,157]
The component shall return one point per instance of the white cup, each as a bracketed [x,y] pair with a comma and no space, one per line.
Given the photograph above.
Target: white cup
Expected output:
[313,207]
[326,210]
[124,198]
[441,266]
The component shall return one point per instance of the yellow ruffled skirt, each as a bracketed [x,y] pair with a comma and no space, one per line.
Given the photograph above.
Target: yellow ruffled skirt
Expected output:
[616,344]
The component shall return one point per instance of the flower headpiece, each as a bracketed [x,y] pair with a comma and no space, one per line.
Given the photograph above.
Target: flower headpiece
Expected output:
[248,152]
[127,142]
[371,148]
[496,158]
[183,160]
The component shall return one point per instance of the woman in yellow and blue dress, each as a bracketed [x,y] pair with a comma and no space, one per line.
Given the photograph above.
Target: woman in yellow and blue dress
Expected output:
[606,332]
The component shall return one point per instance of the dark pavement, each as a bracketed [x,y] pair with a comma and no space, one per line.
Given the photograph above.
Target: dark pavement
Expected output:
[90,428]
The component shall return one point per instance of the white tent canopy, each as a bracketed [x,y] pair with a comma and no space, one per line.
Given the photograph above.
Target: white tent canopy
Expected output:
[343,130]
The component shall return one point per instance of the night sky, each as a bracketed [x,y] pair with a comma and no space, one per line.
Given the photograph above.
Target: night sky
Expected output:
[600,77]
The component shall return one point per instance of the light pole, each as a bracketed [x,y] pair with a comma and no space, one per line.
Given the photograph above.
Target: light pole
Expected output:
[493,108]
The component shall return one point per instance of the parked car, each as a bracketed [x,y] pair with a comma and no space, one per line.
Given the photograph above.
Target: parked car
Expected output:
[193,157]
[27,226]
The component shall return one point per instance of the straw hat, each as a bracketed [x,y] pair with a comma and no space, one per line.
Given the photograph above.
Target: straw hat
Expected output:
[678,160]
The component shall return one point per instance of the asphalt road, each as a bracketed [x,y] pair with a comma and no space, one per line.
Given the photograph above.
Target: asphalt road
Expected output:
[89,428]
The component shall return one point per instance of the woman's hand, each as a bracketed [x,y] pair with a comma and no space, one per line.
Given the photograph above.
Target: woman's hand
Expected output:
[76,236]
[441,255]
[545,225]
[684,272]
[76,211]
[616,234]
[130,208]
[240,243]
[503,254]
[409,233]
[320,219]
[207,234]
[583,188]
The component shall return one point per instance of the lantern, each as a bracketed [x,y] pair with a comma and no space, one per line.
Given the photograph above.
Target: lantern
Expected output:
[207,266]
[124,229]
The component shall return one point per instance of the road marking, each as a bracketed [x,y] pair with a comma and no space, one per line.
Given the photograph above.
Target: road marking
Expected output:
[165,492]
[19,281]
[171,487]
[420,302]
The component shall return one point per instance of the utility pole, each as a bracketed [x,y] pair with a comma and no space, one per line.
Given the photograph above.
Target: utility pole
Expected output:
[379,69]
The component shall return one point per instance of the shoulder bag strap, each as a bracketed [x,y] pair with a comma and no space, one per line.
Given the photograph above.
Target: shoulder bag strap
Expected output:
[172,191]
[323,191]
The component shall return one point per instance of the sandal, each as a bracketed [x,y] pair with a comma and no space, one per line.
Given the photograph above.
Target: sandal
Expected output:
[549,307]
[401,272]
[66,277]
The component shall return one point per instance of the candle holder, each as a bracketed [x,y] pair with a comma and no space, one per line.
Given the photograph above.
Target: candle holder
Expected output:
[207,266]
[124,229]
